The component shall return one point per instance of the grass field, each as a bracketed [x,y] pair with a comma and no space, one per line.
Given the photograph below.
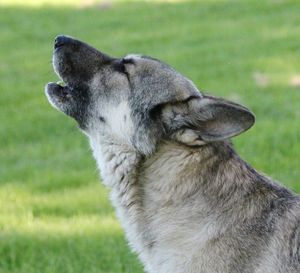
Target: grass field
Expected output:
[54,214]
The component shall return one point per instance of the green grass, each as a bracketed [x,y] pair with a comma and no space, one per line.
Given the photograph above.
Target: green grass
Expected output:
[54,214]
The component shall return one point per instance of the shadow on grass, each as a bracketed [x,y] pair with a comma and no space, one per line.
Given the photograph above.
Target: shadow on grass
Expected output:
[90,253]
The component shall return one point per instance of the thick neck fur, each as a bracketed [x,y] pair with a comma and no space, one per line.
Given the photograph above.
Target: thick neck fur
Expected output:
[213,172]
[156,196]
[119,166]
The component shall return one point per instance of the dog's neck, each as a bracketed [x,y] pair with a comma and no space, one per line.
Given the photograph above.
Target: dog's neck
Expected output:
[175,173]
[212,171]
[215,169]
[119,166]
[116,161]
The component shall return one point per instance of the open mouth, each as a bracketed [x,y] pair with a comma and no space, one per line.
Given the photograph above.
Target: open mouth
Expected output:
[68,95]
[59,94]
[59,90]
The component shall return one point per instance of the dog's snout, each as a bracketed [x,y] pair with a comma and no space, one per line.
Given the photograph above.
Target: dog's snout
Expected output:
[61,40]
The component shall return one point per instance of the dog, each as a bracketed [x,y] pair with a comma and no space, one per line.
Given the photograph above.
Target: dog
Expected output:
[187,202]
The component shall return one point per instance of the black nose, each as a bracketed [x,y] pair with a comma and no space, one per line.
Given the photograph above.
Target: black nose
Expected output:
[61,40]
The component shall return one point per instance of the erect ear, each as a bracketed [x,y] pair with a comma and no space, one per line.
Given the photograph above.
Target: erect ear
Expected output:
[206,119]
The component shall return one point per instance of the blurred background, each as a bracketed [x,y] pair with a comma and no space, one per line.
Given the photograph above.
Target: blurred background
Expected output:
[55,216]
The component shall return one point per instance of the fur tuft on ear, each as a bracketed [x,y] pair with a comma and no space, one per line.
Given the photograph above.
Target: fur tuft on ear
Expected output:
[206,119]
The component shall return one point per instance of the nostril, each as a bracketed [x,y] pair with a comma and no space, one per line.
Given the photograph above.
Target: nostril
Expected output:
[61,40]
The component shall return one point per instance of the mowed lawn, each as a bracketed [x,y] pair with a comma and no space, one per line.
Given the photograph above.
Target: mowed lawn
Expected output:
[55,216]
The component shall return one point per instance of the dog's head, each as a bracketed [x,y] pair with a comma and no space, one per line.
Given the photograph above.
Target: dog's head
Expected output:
[137,100]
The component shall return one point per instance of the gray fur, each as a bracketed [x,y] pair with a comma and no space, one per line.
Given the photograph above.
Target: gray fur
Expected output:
[187,201]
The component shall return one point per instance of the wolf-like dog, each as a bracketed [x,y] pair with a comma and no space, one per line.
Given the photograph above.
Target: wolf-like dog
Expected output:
[187,202]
